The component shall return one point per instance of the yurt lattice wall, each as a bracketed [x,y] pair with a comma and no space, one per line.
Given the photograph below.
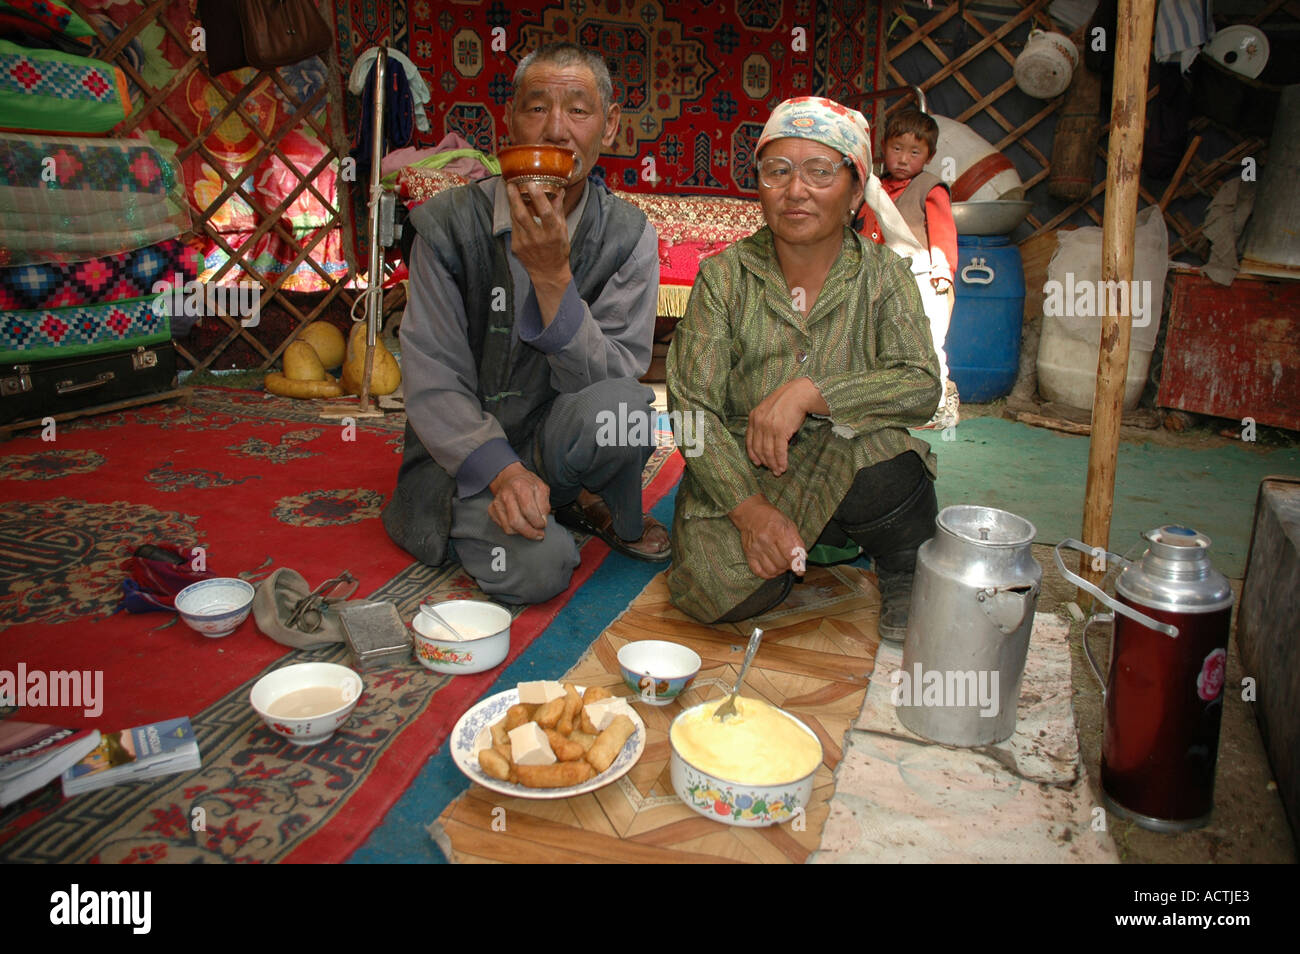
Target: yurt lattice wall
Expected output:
[166,30]
[974,45]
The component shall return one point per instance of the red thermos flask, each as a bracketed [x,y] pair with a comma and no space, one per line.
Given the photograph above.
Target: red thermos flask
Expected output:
[1164,689]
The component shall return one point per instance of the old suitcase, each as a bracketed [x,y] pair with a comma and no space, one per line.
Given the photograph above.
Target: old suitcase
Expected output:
[34,390]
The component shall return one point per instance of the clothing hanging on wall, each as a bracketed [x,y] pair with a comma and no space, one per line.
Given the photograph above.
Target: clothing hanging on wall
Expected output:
[399,108]
[419,89]
[1182,27]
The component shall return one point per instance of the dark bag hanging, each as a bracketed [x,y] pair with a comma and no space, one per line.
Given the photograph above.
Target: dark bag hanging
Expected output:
[280,32]
[1099,38]
[1167,123]
[225,38]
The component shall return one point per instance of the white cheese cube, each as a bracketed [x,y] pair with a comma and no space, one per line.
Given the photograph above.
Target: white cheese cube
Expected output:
[529,745]
[603,711]
[539,693]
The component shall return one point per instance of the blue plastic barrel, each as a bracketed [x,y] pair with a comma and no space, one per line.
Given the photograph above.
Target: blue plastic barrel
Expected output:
[983,342]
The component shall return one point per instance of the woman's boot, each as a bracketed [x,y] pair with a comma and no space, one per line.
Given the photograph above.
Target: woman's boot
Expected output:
[892,541]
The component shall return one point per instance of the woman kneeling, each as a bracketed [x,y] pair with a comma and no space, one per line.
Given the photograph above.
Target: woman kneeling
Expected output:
[804,356]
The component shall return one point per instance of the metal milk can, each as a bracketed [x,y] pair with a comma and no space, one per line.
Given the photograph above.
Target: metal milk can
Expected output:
[968,629]
[1164,690]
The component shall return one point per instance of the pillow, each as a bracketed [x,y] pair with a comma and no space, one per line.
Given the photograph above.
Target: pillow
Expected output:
[415,185]
[51,91]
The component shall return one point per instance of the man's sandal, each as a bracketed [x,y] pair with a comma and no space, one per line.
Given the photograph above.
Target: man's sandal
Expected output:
[597,520]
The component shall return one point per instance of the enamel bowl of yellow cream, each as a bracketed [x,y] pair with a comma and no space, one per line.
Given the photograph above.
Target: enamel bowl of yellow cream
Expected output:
[752,770]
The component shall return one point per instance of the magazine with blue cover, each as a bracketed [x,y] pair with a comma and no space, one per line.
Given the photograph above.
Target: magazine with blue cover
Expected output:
[147,751]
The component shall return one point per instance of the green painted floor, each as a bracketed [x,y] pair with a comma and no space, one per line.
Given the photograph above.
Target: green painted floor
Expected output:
[1040,475]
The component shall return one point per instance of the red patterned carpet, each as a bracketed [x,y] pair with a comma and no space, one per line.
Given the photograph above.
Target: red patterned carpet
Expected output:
[697,79]
[257,482]
[232,473]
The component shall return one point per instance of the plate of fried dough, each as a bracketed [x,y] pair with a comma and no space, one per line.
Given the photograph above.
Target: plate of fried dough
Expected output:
[585,759]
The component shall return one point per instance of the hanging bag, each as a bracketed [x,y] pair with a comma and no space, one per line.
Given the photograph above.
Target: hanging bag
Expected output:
[280,32]
[225,37]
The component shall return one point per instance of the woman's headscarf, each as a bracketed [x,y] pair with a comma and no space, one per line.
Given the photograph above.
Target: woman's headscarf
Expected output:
[846,131]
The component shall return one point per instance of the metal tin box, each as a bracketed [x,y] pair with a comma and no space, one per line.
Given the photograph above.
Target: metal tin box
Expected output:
[375,634]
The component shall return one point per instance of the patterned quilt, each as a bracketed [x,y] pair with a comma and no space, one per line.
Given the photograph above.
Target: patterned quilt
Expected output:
[105,304]
[67,199]
[53,91]
[112,278]
[679,219]
[51,15]
[81,330]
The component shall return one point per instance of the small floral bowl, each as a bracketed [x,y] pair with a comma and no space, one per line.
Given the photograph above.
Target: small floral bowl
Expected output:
[657,670]
[316,681]
[488,625]
[215,607]
[738,803]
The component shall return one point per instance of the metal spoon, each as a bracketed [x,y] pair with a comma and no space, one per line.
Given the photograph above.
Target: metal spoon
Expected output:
[428,609]
[728,708]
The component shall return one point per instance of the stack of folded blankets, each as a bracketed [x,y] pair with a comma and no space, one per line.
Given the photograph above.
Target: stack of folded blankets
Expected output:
[90,226]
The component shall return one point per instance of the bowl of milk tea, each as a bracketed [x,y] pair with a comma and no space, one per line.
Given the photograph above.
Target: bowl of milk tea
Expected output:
[306,702]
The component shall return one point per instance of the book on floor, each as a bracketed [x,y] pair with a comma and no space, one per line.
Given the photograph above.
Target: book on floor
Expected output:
[32,754]
[144,752]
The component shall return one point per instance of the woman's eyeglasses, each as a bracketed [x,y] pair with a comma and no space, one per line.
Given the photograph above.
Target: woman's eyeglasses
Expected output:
[775,172]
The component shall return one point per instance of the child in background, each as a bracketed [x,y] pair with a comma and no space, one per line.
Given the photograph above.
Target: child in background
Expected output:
[911,138]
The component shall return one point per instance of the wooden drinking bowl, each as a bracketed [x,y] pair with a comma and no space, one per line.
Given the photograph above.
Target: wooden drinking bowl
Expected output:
[551,167]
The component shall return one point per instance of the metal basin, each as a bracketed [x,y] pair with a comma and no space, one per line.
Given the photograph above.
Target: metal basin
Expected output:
[989,217]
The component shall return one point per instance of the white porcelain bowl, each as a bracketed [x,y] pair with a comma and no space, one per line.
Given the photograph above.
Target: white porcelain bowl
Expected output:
[490,624]
[215,607]
[657,670]
[738,803]
[315,728]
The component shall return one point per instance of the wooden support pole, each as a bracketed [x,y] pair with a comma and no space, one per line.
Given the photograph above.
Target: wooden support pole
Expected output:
[1123,167]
